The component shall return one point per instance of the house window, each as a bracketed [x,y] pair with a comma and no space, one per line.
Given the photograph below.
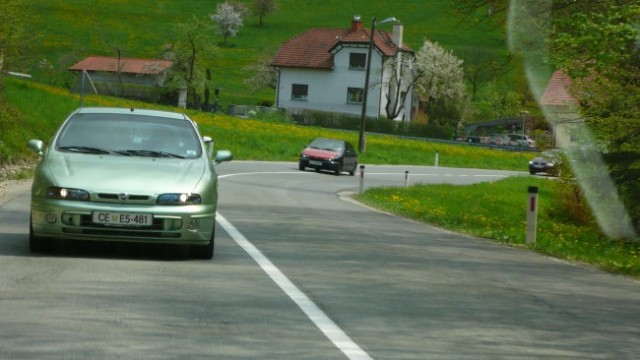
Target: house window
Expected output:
[354,95]
[299,92]
[357,61]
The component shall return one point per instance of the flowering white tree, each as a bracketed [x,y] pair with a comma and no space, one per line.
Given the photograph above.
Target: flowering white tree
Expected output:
[439,73]
[435,74]
[227,19]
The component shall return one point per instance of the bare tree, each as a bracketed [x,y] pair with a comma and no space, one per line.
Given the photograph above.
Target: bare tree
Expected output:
[262,8]
[227,19]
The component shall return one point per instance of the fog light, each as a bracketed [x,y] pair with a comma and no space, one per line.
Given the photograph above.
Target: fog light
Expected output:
[193,225]
[51,218]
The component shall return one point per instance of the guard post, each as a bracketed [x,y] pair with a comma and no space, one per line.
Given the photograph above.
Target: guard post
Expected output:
[406,178]
[532,215]
[361,179]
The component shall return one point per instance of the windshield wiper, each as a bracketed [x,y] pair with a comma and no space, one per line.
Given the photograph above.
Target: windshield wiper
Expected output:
[150,153]
[85,149]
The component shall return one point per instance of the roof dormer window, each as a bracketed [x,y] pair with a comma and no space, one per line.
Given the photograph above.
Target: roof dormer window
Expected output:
[357,61]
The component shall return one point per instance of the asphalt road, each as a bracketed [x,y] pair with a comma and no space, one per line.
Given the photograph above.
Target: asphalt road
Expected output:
[302,272]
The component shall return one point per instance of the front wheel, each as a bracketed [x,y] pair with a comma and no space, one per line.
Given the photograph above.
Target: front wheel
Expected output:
[353,171]
[36,244]
[204,251]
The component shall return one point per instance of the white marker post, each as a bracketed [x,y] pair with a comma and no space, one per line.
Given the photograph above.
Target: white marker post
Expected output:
[361,179]
[437,159]
[532,215]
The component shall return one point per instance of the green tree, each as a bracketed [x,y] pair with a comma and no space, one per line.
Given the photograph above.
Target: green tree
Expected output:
[192,45]
[262,8]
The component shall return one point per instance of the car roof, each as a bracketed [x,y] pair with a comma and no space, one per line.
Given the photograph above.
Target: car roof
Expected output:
[130,111]
[328,139]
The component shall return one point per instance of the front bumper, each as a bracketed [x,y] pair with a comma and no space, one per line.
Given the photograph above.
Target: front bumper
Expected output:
[321,164]
[63,219]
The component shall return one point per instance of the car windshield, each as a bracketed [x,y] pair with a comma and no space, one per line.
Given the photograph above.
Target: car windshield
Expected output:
[326,144]
[129,135]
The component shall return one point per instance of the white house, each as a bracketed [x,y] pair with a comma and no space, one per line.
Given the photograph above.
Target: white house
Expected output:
[324,70]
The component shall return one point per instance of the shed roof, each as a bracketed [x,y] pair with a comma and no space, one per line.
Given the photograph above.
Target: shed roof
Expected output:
[127,65]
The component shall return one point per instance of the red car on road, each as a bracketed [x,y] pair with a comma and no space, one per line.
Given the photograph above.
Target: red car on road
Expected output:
[329,154]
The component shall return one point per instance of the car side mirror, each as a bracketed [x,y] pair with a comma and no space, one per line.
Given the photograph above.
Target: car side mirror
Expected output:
[223,155]
[36,145]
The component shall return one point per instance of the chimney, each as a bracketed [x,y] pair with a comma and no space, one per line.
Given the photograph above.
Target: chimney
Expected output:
[356,24]
[397,35]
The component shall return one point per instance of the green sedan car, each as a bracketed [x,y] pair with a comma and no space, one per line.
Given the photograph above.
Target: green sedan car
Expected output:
[126,175]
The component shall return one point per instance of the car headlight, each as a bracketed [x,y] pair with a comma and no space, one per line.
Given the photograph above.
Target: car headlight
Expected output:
[57,192]
[179,199]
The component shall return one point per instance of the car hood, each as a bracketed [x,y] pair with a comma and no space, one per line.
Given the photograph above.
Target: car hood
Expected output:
[320,153]
[543,160]
[109,173]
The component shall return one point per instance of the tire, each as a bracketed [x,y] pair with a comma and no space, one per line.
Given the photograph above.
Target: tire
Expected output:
[353,171]
[300,166]
[204,252]
[36,243]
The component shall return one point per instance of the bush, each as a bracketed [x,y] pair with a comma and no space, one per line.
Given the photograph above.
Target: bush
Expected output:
[380,125]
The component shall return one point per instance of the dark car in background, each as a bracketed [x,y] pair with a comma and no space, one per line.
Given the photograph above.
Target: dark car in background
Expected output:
[547,162]
[329,154]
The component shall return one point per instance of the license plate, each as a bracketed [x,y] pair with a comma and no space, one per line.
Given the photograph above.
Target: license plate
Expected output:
[315,162]
[122,219]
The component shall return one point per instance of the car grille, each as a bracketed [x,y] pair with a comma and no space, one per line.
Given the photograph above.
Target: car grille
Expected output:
[116,197]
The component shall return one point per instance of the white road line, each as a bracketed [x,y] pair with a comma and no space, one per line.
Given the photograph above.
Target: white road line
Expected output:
[338,337]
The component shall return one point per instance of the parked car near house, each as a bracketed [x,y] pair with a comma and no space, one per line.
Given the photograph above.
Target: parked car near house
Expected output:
[521,140]
[548,162]
[501,140]
[126,175]
[329,154]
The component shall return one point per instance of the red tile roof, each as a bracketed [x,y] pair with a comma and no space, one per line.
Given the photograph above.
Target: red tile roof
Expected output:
[557,92]
[127,65]
[313,48]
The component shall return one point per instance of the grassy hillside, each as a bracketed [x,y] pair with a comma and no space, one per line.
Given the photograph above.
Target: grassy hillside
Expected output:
[66,31]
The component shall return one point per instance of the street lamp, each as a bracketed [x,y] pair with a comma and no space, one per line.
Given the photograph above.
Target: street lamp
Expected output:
[366,80]
[522,142]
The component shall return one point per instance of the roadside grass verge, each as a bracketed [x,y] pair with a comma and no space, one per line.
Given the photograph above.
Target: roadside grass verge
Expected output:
[497,210]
